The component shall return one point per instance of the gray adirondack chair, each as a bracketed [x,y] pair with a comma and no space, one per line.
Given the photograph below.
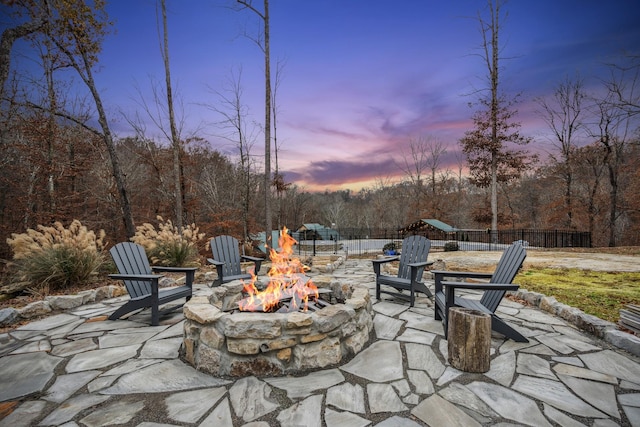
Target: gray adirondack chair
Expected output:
[499,283]
[143,285]
[413,260]
[227,259]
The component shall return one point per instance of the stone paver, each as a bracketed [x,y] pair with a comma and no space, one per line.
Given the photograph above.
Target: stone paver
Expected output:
[251,398]
[381,362]
[342,419]
[190,406]
[305,413]
[436,411]
[170,375]
[115,413]
[24,374]
[66,370]
[347,397]
[555,394]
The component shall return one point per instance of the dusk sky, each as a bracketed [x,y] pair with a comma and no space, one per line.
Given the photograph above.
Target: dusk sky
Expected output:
[360,78]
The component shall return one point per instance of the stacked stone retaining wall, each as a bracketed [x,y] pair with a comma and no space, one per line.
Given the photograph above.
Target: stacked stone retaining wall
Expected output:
[245,343]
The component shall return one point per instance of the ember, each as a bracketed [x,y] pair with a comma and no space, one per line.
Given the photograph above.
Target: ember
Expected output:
[288,289]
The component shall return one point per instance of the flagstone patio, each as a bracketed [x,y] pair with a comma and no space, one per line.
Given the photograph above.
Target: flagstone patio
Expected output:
[64,370]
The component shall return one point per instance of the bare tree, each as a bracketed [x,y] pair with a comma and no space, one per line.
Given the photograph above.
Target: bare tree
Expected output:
[434,162]
[421,165]
[265,46]
[37,24]
[414,165]
[456,213]
[624,87]
[614,131]
[334,210]
[490,160]
[77,29]
[590,168]
[436,151]
[564,113]
[278,179]
[234,122]
[175,137]
[49,65]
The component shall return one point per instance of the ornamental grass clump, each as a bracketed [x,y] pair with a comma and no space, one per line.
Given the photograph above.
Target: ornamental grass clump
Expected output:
[166,246]
[54,258]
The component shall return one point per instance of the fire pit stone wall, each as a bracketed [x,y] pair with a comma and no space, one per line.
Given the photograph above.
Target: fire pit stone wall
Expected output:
[222,342]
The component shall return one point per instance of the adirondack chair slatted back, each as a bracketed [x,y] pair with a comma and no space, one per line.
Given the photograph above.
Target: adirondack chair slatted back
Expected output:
[506,270]
[225,249]
[130,258]
[414,249]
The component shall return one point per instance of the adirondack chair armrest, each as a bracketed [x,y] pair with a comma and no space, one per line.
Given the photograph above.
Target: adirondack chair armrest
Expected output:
[415,266]
[251,258]
[174,269]
[190,272]
[420,264]
[219,267]
[257,261]
[440,275]
[481,286]
[386,259]
[378,262]
[463,274]
[144,277]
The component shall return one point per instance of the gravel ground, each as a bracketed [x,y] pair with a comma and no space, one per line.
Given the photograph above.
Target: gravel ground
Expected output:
[555,259]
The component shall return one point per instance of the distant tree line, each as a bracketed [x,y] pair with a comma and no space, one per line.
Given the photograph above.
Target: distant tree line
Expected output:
[214,200]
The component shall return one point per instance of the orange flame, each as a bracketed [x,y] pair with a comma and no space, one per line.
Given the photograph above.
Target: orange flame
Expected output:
[286,281]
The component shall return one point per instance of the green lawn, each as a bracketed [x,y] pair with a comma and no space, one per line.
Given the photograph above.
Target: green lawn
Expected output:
[601,294]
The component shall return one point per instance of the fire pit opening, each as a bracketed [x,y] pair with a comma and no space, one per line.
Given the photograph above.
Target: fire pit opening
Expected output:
[290,323]
[287,289]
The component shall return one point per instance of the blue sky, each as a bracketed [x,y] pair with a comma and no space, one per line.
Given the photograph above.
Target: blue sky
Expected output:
[361,77]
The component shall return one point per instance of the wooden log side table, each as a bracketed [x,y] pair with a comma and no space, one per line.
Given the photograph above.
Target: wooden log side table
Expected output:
[469,339]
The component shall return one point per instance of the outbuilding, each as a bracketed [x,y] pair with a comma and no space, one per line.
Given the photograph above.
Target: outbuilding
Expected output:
[432,228]
[315,231]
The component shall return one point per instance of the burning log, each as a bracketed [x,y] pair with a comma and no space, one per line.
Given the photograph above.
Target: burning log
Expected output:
[287,303]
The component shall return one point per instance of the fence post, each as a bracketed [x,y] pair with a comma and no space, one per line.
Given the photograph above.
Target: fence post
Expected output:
[314,244]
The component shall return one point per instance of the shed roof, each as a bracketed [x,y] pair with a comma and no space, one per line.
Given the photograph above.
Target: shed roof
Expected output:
[319,230]
[311,226]
[435,223]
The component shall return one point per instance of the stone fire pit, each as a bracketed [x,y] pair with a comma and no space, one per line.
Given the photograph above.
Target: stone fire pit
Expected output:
[270,344]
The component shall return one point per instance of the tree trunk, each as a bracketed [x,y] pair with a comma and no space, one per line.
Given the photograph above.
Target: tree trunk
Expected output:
[125,205]
[493,72]
[567,196]
[175,138]
[267,117]
[613,201]
[469,340]
[51,128]
[267,129]
[81,60]
[494,203]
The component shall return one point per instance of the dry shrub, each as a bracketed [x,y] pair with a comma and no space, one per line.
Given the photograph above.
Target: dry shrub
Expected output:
[166,246]
[55,257]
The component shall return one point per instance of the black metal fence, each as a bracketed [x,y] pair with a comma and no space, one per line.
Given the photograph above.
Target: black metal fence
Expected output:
[530,237]
[362,241]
